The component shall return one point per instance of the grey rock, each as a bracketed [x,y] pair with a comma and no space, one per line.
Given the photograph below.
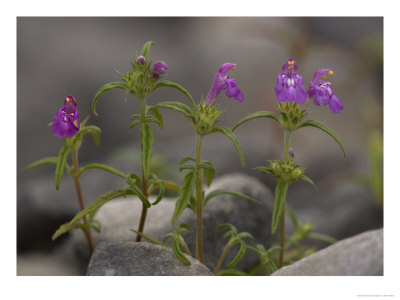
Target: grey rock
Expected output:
[361,255]
[340,211]
[140,259]
[119,216]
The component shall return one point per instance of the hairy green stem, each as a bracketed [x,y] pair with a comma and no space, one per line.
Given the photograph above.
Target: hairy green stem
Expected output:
[199,200]
[80,198]
[286,144]
[221,259]
[282,236]
[144,172]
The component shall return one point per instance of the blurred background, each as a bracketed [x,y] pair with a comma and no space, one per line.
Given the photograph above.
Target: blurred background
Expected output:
[76,56]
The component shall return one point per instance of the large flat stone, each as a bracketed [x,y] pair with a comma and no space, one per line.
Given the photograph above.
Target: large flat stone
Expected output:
[140,259]
[361,255]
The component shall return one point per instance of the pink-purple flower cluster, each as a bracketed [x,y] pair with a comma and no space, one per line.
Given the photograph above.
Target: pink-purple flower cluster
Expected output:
[66,122]
[223,82]
[290,88]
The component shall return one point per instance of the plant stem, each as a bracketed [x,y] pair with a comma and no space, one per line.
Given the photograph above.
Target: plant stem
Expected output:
[80,198]
[286,144]
[199,200]
[221,259]
[282,236]
[144,172]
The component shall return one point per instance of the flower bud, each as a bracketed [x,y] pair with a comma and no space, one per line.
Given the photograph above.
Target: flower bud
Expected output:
[141,60]
[297,173]
[159,68]
[291,152]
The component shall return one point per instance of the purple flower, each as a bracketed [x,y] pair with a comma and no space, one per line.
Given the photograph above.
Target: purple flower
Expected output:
[323,93]
[159,68]
[223,82]
[289,86]
[66,122]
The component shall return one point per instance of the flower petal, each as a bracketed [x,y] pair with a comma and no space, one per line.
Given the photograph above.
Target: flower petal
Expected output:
[233,91]
[335,104]
[225,68]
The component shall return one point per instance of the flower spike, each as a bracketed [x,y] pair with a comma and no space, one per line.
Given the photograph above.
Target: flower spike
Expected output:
[223,82]
[322,92]
[66,122]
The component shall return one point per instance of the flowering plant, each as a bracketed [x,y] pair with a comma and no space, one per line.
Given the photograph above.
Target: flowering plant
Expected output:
[67,126]
[141,80]
[290,93]
[204,118]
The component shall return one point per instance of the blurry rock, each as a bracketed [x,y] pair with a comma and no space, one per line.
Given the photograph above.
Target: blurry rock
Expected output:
[361,255]
[140,259]
[41,209]
[340,211]
[119,216]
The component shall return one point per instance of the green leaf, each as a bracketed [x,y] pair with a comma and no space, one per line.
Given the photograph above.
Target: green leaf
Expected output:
[93,130]
[146,48]
[93,206]
[147,237]
[177,106]
[178,253]
[147,145]
[157,115]
[192,204]
[224,225]
[209,176]
[134,123]
[259,114]
[231,272]
[134,116]
[184,195]
[239,256]
[174,85]
[182,227]
[187,158]
[321,126]
[187,167]
[322,237]
[105,88]
[100,167]
[244,234]
[61,161]
[234,140]
[160,194]
[265,170]
[171,185]
[208,171]
[44,161]
[280,197]
[226,192]
[136,178]
[85,227]
[137,191]
[305,178]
